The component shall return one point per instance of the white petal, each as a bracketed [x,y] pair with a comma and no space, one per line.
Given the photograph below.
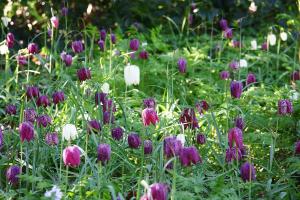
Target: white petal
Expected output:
[181,138]
[105,88]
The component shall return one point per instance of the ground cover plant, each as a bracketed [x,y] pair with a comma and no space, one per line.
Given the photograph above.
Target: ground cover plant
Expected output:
[196,109]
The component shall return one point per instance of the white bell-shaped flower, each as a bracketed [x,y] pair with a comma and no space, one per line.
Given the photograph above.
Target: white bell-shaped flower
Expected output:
[243,63]
[181,138]
[272,39]
[252,8]
[283,36]
[105,88]
[69,132]
[253,44]
[132,75]
[4,49]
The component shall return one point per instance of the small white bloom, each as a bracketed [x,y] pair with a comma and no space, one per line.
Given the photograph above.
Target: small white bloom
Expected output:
[283,36]
[5,21]
[181,138]
[69,132]
[272,39]
[144,44]
[295,95]
[4,49]
[253,44]
[252,7]
[54,193]
[132,75]
[105,88]
[243,63]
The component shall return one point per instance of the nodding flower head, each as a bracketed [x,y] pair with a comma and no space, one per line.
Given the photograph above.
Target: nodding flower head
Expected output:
[188,118]
[77,46]
[32,92]
[12,174]
[181,63]
[224,75]
[58,97]
[10,40]
[250,79]
[54,21]
[189,156]
[104,153]
[134,140]
[117,133]
[11,109]
[200,138]
[202,106]
[134,44]
[235,135]
[26,131]
[43,101]
[71,156]
[285,107]
[239,122]
[143,55]
[227,33]
[148,147]
[248,172]
[51,138]
[43,120]
[223,24]
[149,116]
[94,126]
[172,146]
[33,48]
[149,103]
[83,74]
[103,34]
[295,76]
[236,89]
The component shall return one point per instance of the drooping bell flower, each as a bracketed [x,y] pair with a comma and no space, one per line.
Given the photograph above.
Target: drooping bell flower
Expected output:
[77,46]
[188,118]
[58,97]
[49,33]
[32,92]
[54,22]
[233,154]
[105,88]
[143,55]
[224,75]
[12,174]
[250,79]
[69,132]
[283,36]
[149,116]
[149,103]
[200,138]
[66,58]
[193,7]
[51,139]
[29,115]
[134,140]
[11,109]
[71,156]
[223,24]
[134,44]
[253,44]
[285,107]
[101,45]
[10,40]
[132,75]
[148,147]
[297,147]
[156,191]
[104,153]
[236,44]
[239,122]
[43,101]
[103,34]
[33,48]
[243,63]
[265,46]
[113,38]
[181,63]
[43,120]
[22,60]
[100,97]
[234,65]
[26,131]
[94,126]
[295,76]
[248,172]
[83,74]
[172,146]
[181,138]
[227,33]
[271,39]
[190,18]
[108,105]
[235,135]
[117,133]
[236,89]
[189,156]
[252,8]
[202,106]
[64,11]
[108,117]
